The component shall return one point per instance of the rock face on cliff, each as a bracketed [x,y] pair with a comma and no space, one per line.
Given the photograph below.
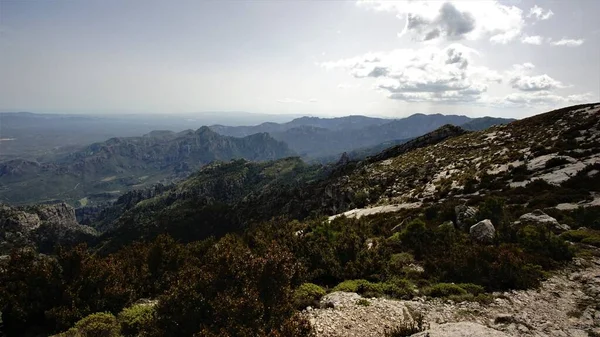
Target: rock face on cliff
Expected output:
[42,226]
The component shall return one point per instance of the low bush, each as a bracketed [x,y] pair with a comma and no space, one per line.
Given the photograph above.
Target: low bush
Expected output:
[444,290]
[471,288]
[101,324]
[590,237]
[135,318]
[308,294]
[408,328]
[363,302]
[396,288]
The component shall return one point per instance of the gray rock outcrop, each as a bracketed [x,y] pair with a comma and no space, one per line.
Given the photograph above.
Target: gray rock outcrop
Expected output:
[41,226]
[539,218]
[465,215]
[483,231]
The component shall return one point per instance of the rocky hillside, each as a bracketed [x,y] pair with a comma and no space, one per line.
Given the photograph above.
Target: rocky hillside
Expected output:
[567,304]
[558,150]
[43,227]
[102,171]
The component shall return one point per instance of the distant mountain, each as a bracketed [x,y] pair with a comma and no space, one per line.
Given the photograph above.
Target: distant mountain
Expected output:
[314,137]
[332,124]
[483,123]
[104,170]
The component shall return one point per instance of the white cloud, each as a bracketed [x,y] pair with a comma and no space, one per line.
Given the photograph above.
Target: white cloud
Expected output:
[535,39]
[519,78]
[428,74]
[538,13]
[454,20]
[543,98]
[534,83]
[568,42]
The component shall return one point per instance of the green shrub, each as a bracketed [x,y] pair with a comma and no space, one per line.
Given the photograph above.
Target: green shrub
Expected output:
[471,288]
[408,328]
[397,288]
[350,286]
[135,318]
[100,324]
[590,237]
[308,294]
[363,302]
[444,290]
[398,262]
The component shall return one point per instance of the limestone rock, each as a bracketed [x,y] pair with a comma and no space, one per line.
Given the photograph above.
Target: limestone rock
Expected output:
[538,217]
[483,231]
[41,226]
[464,214]
[460,329]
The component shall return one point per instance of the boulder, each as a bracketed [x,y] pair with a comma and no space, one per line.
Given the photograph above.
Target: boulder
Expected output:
[539,218]
[460,329]
[464,215]
[483,231]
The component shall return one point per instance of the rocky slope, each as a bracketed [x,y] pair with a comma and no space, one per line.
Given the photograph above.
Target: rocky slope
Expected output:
[567,304]
[42,226]
[556,149]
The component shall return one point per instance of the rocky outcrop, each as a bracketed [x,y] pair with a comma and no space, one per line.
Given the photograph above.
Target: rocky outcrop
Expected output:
[460,329]
[41,226]
[483,231]
[539,218]
[465,215]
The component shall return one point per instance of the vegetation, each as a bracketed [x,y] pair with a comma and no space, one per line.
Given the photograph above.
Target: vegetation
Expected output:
[240,247]
[308,294]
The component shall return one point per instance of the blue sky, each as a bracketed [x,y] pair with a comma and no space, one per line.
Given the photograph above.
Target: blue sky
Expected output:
[325,58]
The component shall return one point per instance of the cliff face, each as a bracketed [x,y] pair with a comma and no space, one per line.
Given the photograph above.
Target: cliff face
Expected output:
[41,226]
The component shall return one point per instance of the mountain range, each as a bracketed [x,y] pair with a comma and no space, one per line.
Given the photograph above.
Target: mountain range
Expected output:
[103,170]
[309,135]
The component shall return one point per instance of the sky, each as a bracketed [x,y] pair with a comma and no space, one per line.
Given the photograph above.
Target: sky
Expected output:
[325,58]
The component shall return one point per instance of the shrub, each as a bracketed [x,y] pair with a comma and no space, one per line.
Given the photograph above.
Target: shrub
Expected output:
[590,237]
[350,286]
[307,294]
[471,288]
[398,262]
[135,318]
[408,328]
[444,290]
[363,302]
[397,288]
[100,324]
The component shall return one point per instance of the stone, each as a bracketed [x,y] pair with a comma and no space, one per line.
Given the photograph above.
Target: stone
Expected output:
[483,231]
[538,217]
[464,215]
[460,329]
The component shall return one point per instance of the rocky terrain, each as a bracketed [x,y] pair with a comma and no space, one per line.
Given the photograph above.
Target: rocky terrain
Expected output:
[41,226]
[567,304]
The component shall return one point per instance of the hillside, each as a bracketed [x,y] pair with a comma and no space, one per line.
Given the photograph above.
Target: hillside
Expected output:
[308,135]
[448,234]
[102,171]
